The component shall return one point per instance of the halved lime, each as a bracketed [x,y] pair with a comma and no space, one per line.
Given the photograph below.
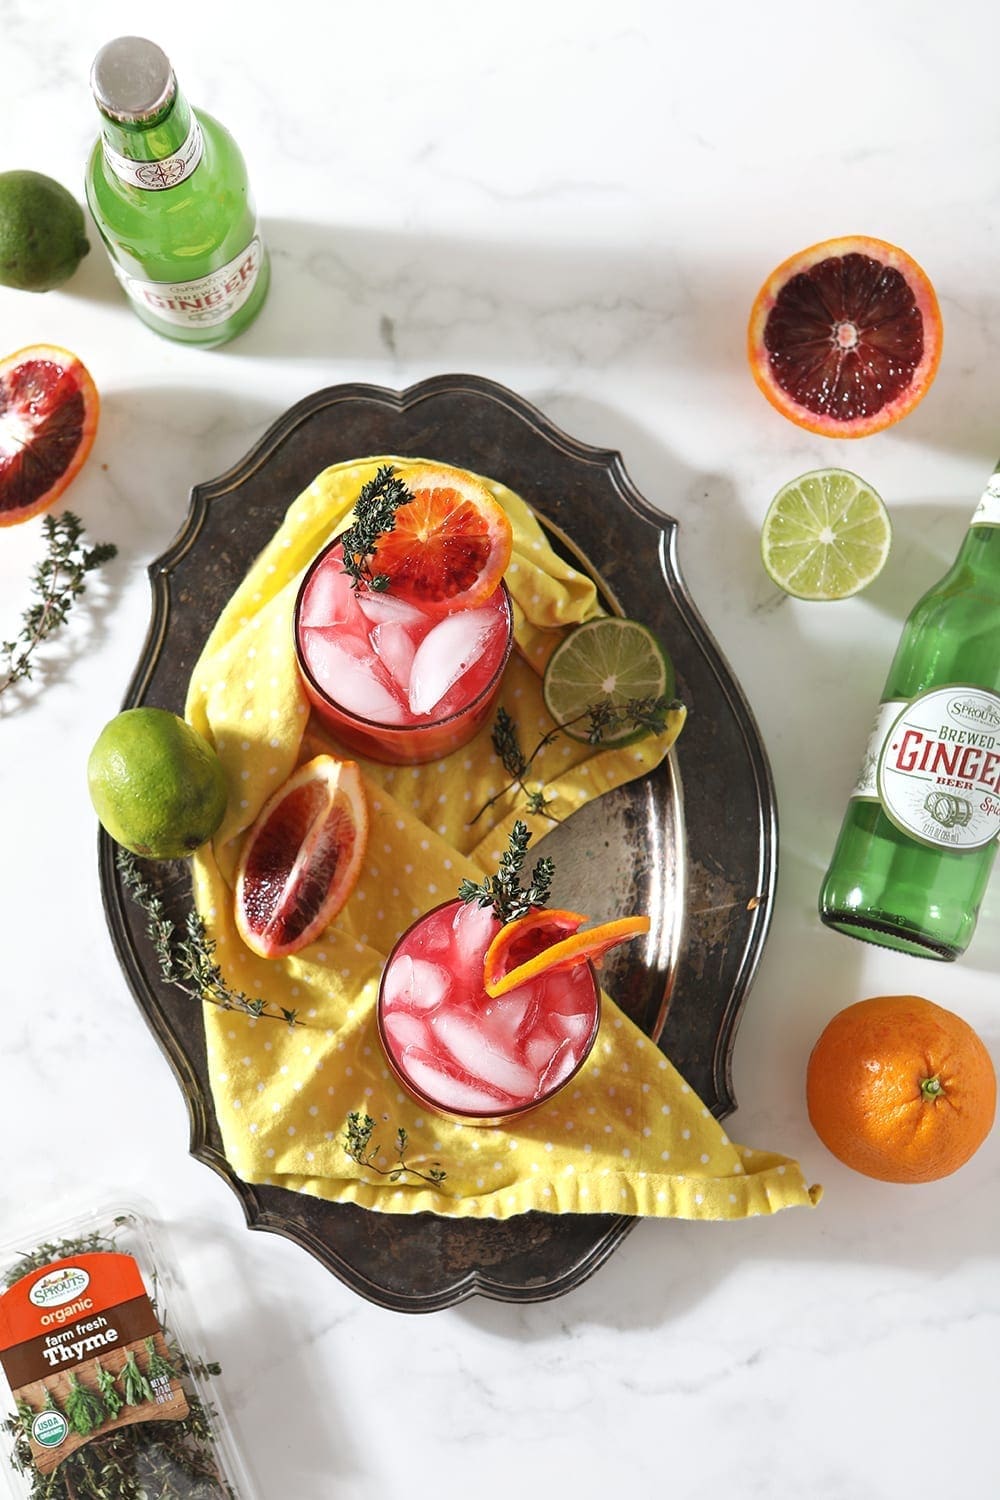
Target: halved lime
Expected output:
[605,661]
[826,535]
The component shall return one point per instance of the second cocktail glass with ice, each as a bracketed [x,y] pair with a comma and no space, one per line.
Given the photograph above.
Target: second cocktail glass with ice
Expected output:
[393,682]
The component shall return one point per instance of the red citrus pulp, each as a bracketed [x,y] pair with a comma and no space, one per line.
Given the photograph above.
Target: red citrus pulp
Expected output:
[845,337]
[302,857]
[48,420]
[450,544]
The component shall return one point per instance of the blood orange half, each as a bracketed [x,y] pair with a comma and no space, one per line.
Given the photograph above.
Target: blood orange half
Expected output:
[544,941]
[845,337]
[302,857]
[450,545]
[48,420]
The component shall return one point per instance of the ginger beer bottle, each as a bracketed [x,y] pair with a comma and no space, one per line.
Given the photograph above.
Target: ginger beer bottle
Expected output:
[168,191]
[920,833]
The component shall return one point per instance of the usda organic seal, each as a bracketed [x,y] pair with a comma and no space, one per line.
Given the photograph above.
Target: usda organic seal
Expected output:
[49,1428]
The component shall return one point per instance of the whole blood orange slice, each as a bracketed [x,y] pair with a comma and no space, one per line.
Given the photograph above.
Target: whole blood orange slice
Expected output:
[48,419]
[302,857]
[450,545]
[544,941]
[845,337]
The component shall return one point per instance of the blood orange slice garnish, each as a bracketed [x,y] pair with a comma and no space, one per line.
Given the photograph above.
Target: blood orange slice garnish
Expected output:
[450,545]
[544,941]
[302,857]
[845,337]
[48,420]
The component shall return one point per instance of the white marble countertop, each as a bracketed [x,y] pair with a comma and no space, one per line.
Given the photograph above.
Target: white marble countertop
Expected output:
[579,201]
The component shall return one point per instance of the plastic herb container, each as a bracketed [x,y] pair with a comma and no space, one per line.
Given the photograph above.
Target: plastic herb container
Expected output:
[110,1396]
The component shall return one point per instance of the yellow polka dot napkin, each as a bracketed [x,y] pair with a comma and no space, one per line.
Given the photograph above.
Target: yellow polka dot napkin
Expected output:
[628,1135]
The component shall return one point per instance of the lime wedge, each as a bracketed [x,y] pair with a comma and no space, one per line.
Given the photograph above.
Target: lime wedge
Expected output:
[826,535]
[602,661]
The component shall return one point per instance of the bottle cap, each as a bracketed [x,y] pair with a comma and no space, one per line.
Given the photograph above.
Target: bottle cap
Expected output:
[132,79]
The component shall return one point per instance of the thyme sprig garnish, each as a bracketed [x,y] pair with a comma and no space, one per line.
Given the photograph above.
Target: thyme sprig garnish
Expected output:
[56,583]
[187,957]
[602,718]
[374,514]
[360,1147]
[504,891]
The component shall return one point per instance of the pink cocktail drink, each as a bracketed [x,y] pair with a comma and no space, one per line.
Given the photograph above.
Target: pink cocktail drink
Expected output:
[392,681]
[466,1055]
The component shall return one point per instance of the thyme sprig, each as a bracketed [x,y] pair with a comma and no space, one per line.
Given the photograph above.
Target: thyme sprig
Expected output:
[504,891]
[360,1147]
[187,957]
[374,514]
[601,718]
[57,582]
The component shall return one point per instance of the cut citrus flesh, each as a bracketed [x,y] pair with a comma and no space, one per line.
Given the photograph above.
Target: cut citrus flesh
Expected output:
[607,661]
[451,543]
[826,535]
[48,420]
[302,857]
[524,938]
[845,337]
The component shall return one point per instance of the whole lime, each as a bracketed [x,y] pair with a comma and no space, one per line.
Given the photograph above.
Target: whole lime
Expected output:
[157,785]
[42,238]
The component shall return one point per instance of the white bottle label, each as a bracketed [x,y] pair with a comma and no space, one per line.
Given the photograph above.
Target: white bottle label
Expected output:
[156,176]
[934,765]
[988,510]
[204,302]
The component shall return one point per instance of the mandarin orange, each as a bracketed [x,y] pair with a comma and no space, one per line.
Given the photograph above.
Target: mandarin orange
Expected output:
[901,1089]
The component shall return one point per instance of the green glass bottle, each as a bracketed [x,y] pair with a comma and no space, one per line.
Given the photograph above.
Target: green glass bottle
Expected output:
[920,834]
[168,191]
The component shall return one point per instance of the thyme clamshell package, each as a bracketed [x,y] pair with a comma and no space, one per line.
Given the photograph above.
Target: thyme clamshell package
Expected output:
[109,1398]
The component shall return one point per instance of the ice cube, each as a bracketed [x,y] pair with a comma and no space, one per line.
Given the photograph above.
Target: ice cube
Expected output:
[539,1051]
[381,608]
[448,1089]
[474,927]
[449,650]
[397,986]
[510,1016]
[349,674]
[405,1030]
[429,984]
[329,598]
[477,1054]
[577,1028]
[394,647]
[559,1066]
[413,984]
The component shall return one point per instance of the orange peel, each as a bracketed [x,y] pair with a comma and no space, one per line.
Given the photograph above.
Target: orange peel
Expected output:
[527,935]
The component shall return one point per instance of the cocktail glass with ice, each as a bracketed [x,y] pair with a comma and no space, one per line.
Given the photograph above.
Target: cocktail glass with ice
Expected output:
[457,1051]
[394,682]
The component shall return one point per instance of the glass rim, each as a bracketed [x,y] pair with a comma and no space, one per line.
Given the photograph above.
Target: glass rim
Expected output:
[375,726]
[479,1117]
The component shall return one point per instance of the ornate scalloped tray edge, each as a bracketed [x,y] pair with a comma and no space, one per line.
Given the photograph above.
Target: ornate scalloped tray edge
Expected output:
[697,847]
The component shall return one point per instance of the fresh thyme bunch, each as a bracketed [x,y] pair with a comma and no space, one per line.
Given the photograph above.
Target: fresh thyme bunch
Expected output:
[57,582]
[155,1460]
